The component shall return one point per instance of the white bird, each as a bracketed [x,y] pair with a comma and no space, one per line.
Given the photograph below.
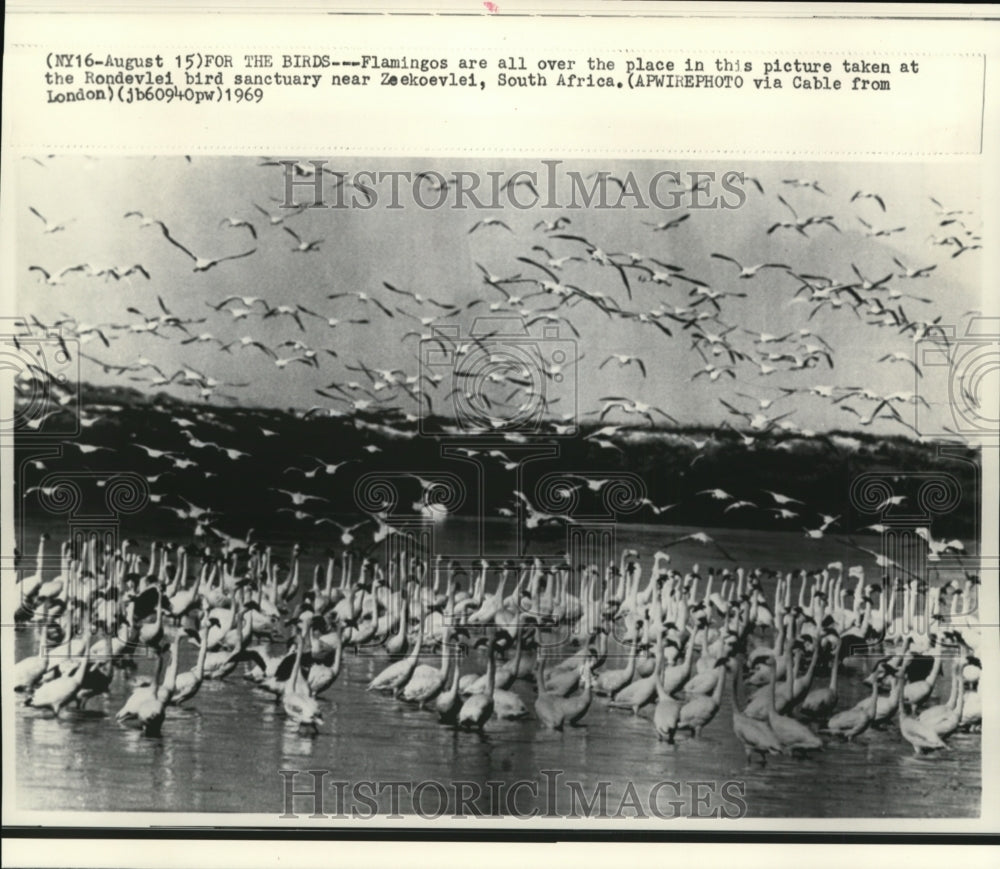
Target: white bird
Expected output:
[535,517]
[900,356]
[276,219]
[365,299]
[656,510]
[201,264]
[665,225]
[50,226]
[57,693]
[56,280]
[804,182]
[861,194]
[326,467]
[631,406]
[942,211]
[781,499]
[624,359]
[302,246]
[489,221]
[300,498]
[28,672]
[880,232]
[749,271]
[716,494]
[249,341]
[346,535]
[235,222]
[937,547]
[143,220]
[891,501]
[816,533]
[914,272]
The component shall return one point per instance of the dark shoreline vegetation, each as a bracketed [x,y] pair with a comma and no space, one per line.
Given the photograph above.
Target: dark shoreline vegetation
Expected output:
[817,470]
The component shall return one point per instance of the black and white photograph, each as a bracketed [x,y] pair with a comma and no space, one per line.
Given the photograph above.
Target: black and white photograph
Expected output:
[493,489]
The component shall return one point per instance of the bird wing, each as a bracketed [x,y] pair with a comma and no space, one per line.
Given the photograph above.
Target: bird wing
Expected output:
[727,258]
[722,550]
[578,238]
[624,277]
[781,199]
[734,410]
[668,266]
[537,265]
[694,281]
[223,259]
[172,240]
[393,289]
[384,309]
[445,306]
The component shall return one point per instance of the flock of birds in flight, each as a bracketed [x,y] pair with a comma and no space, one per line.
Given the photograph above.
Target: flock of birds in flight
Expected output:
[540,290]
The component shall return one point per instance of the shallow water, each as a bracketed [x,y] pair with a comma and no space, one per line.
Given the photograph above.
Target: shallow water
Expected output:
[225,753]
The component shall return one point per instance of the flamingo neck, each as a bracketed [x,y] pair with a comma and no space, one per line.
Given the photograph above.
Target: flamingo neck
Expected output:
[202,654]
[456,673]
[935,670]
[875,697]
[719,683]
[491,671]
[338,657]
[737,690]
[518,644]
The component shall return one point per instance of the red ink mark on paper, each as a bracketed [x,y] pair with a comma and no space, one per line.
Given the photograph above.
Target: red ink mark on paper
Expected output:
[491,7]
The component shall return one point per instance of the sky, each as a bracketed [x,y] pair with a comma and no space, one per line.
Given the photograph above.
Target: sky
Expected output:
[433,252]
